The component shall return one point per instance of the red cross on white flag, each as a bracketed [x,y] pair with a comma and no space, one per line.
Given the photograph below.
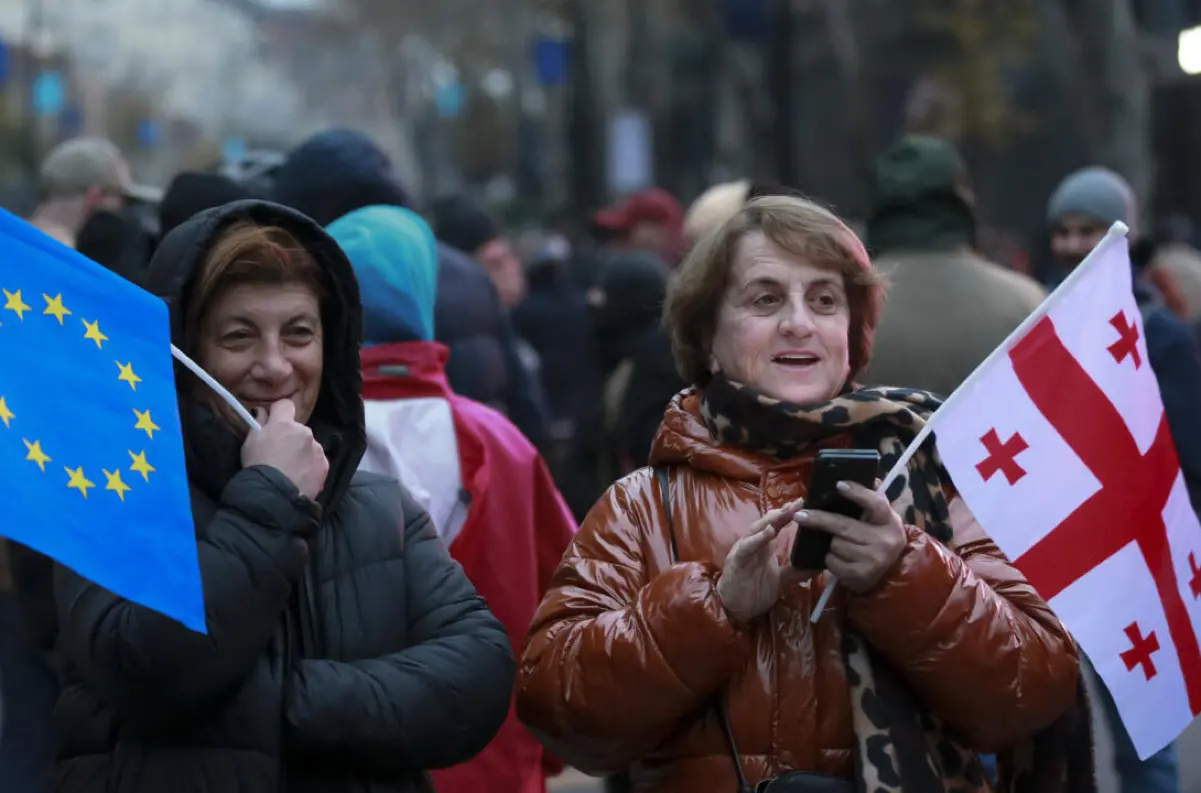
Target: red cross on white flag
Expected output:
[1060,446]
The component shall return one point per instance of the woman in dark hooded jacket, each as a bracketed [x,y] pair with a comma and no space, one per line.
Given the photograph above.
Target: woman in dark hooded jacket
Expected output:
[346,651]
[637,372]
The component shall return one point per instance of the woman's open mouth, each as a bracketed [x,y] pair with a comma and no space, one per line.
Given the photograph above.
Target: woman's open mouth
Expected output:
[797,361]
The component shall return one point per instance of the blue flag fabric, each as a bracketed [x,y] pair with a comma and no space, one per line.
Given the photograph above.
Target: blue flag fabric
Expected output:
[91,452]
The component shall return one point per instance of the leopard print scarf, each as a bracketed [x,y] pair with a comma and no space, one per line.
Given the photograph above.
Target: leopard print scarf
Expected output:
[900,748]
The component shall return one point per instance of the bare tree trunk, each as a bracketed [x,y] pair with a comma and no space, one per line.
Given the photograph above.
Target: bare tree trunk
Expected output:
[726,162]
[1123,89]
[585,128]
[781,71]
[844,42]
[640,71]
[694,97]
[1066,55]
[748,115]
[648,73]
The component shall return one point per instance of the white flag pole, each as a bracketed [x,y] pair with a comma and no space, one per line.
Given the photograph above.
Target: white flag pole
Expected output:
[213,384]
[1117,231]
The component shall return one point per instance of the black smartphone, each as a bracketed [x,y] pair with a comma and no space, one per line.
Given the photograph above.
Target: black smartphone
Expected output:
[831,467]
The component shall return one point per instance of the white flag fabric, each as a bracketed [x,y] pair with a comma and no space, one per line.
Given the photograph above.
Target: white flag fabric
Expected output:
[1060,447]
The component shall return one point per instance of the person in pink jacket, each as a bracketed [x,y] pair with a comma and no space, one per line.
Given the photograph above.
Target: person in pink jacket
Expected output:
[486,489]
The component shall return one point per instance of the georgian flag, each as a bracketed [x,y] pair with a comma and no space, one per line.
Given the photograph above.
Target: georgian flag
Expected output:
[1059,445]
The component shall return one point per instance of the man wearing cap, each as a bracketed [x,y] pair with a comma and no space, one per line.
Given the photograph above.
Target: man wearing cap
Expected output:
[79,177]
[948,307]
[1080,211]
[649,220]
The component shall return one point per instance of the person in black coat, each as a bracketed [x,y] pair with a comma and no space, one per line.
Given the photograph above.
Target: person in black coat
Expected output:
[637,373]
[337,171]
[345,651]
[554,319]
[192,192]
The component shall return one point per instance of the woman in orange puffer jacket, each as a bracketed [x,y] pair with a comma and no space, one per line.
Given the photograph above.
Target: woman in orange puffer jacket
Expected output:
[676,638]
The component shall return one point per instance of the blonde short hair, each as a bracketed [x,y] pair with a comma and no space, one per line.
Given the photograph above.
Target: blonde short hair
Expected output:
[715,206]
[797,226]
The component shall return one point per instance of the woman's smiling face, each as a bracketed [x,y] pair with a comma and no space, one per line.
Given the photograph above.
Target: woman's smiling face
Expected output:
[783,325]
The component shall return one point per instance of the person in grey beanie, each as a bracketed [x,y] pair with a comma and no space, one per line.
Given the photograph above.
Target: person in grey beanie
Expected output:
[1081,210]
[1079,213]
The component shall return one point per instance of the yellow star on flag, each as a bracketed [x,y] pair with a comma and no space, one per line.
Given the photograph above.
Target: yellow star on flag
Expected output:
[55,307]
[140,466]
[144,422]
[93,333]
[127,375]
[115,484]
[36,454]
[6,415]
[14,303]
[78,480]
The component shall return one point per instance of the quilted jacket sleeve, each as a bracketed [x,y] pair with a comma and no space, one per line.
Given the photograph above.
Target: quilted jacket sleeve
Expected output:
[555,530]
[432,704]
[617,657]
[990,658]
[152,667]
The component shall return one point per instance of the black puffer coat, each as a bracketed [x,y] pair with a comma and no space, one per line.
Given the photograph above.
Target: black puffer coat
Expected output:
[353,671]
[484,363]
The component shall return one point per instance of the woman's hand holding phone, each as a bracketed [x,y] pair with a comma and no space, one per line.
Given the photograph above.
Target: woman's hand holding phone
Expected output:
[832,466]
[861,551]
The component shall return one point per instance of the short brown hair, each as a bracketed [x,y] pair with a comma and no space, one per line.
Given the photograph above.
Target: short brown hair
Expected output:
[247,253]
[795,225]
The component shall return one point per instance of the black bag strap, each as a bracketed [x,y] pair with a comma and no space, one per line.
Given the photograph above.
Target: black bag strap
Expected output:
[718,706]
[665,495]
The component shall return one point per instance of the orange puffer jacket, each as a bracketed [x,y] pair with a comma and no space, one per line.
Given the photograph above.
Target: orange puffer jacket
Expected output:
[627,649]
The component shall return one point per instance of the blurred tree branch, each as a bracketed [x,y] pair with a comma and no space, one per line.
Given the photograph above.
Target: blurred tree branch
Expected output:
[1112,51]
[1064,53]
[470,32]
[988,39]
[1095,57]
[855,85]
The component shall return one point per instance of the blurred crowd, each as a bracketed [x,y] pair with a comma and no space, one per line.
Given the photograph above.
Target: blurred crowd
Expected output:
[507,378]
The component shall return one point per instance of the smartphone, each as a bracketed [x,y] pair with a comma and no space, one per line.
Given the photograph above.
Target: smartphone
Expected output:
[831,467]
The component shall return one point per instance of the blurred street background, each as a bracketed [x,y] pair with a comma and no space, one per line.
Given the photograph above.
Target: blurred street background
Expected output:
[545,106]
[548,110]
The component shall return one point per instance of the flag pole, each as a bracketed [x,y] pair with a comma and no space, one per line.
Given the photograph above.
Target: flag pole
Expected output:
[212,383]
[1117,231]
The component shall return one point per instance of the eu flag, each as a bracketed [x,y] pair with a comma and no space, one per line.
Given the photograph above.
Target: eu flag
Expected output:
[91,453]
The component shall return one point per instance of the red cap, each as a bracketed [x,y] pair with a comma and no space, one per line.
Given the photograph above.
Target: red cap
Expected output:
[652,205]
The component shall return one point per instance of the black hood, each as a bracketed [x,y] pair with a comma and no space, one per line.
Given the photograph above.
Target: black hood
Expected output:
[336,172]
[191,193]
[635,286]
[463,223]
[213,447]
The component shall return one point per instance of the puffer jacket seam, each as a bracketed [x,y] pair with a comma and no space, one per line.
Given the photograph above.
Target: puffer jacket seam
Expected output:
[651,633]
[351,571]
[608,563]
